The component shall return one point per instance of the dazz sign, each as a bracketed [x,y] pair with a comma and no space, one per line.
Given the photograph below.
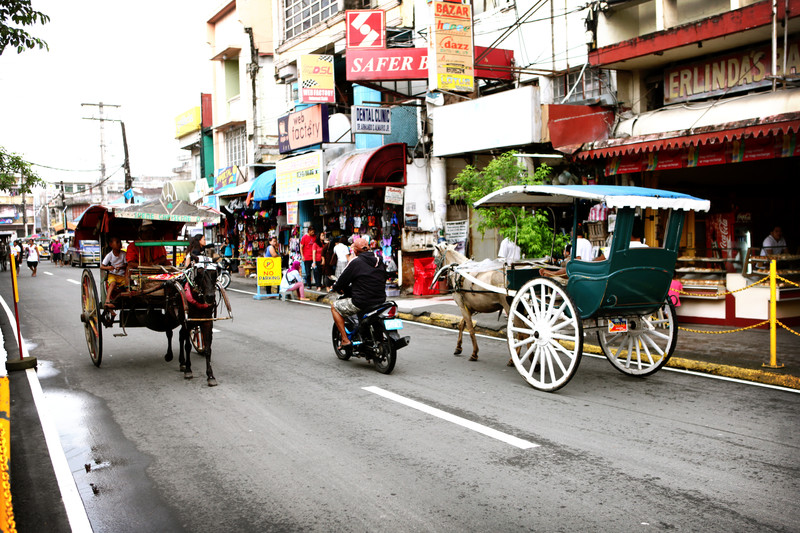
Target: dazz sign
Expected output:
[366,28]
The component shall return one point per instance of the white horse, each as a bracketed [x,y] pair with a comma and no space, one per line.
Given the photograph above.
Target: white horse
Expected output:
[470,297]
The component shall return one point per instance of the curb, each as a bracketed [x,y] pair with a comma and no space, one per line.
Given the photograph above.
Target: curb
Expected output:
[728,371]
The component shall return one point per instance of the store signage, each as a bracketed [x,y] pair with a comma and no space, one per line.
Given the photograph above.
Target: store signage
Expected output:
[291,213]
[412,64]
[371,120]
[299,178]
[735,72]
[393,195]
[268,271]
[188,122]
[303,128]
[451,58]
[316,79]
[366,28]
[226,178]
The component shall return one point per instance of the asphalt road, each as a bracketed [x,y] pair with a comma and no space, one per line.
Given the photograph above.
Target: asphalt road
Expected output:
[293,439]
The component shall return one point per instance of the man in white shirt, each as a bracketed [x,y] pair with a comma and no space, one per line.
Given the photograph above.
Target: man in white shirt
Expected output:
[774,244]
[583,248]
[509,251]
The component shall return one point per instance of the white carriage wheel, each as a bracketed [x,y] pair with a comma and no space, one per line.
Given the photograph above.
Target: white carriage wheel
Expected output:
[646,346]
[545,334]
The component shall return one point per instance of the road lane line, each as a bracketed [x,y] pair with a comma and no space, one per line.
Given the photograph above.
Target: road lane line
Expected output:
[48,273]
[74,281]
[76,512]
[444,415]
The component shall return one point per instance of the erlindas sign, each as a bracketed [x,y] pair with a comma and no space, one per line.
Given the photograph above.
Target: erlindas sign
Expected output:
[412,64]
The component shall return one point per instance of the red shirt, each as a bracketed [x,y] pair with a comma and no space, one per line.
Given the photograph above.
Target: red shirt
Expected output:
[151,255]
[307,247]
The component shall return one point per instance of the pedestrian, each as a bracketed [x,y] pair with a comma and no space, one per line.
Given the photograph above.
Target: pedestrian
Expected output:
[16,252]
[342,253]
[56,251]
[307,253]
[329,261]
[293,281]
[196,248]
[33,257]
[316,265]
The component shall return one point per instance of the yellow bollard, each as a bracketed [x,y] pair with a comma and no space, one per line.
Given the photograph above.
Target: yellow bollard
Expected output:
[773,317]
[7,523]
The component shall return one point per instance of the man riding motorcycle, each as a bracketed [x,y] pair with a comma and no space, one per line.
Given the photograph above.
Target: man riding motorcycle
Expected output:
[364,284]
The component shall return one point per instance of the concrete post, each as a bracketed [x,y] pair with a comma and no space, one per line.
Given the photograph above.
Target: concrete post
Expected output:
[438,179]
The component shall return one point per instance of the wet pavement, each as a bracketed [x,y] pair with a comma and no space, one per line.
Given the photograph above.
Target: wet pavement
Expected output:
[37,502]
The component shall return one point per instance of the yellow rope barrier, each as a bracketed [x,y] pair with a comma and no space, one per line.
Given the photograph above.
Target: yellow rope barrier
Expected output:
[737,330]
[725,293]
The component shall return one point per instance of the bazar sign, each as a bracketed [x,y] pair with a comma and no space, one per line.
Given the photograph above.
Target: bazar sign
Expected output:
[730,73]
[316,78]
[412,64]
[303,128]
[299,178]
[451,63]
[372,120]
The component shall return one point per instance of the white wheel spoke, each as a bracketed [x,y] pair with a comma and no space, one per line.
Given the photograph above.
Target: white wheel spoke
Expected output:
[523,342]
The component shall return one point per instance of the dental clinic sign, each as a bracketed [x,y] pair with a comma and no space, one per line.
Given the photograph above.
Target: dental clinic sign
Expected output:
[451,56]
[372,120]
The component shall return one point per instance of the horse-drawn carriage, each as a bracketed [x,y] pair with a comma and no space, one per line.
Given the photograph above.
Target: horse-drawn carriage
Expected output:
[160,297]
[625,296]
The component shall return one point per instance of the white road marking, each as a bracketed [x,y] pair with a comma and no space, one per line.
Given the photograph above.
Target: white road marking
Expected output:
[74,281]
[48,273]
[474,426]
[76,512]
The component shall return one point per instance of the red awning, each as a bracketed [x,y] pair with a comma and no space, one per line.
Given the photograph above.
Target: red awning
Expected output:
[680,139]
[378,167]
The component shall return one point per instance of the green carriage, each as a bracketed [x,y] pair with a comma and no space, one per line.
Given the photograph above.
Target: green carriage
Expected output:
[624,298]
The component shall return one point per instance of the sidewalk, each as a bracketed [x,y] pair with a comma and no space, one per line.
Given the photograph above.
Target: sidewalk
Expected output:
[700,348]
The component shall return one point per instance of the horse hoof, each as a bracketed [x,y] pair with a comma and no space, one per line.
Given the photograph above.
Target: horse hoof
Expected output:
[457,352]
[510,362]
[473,358]
[212,382]
[168,357]
[188,375]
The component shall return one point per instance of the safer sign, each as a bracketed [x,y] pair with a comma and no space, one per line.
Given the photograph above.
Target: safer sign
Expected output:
[366,29]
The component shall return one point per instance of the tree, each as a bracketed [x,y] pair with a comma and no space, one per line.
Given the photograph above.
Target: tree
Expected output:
[532,231]
[16,172]
[14,15]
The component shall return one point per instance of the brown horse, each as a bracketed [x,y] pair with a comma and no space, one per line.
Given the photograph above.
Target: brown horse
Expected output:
[469,297]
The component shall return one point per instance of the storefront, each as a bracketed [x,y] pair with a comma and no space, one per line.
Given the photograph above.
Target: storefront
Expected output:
[747,169]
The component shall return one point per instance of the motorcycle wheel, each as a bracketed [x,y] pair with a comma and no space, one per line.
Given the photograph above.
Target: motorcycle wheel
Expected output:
[224,279]
[386,357]
[337,339]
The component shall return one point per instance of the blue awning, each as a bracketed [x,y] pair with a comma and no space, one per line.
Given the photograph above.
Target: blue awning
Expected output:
[262,190]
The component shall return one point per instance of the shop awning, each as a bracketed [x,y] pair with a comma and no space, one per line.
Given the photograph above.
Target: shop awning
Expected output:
[378,167]
[264,185]
[679,139]
[686,125]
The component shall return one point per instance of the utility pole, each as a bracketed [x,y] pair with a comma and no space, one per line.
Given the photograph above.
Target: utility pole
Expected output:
[100,106]
[127,164]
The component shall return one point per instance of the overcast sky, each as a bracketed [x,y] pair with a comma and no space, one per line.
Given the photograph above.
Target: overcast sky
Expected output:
[149,56]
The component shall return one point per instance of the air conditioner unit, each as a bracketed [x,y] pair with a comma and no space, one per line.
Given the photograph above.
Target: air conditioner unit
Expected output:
[289,72]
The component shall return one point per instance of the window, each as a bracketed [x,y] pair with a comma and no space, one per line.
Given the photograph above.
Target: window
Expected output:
[590,86]
[301,15]
[236,146]
[410,88]
[480,6]
[231,67]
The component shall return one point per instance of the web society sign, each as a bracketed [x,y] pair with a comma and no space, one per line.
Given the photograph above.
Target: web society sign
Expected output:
[372,120]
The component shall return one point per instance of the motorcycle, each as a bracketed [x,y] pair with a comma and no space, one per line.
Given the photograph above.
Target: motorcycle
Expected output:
[375,335]
[224,272]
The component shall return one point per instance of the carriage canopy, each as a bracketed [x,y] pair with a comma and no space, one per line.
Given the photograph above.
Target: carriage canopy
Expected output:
[611,195]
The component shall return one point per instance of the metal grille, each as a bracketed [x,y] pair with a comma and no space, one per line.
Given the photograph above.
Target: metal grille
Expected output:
[236,146]
[301,15]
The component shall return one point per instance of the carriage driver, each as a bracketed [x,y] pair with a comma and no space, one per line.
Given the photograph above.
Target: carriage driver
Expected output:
[364,281]
[114,264]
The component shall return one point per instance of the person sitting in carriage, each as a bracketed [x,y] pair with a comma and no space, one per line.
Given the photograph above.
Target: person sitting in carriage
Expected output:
[144,255]
[114,263]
